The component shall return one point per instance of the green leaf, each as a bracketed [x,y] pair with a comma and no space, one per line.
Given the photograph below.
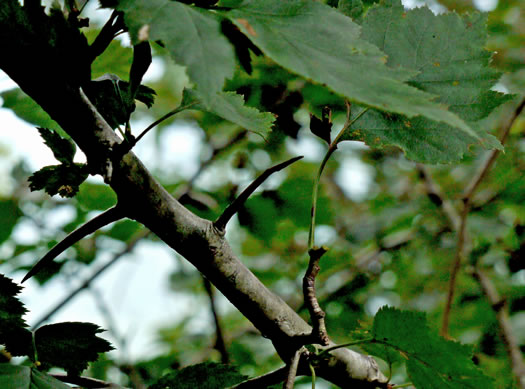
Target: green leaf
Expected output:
[63,149]
[116,59]
[26,109]
[230,106]
[202,376]
[70,345]
[9,214]
[13,332]
[96,197]
[432,361]
[24,377]
[448,53]
[62,179]
[333,54]
[191,35]
[351,8]
[111,96]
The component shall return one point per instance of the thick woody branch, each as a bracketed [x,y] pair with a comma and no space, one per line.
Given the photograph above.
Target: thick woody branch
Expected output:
[55,86]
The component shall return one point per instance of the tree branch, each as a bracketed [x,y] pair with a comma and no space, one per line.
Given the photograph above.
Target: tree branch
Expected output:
[220,344]
[500,309]
[55,87]
[317,315]
[467,202]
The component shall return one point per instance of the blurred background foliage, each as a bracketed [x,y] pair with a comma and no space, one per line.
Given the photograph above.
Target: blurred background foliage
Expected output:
[389,240]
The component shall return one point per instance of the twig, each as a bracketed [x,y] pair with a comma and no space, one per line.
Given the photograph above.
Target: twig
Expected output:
[220,344]
[473,185]
[467,200]
[292,370]
[317,315]
[85,382]
[234,207]
[500,309]
[458,259]
[437,196]
[129,247]
[166,116]
[264,381]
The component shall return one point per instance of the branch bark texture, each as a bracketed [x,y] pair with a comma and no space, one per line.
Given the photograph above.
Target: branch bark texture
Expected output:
[49,60]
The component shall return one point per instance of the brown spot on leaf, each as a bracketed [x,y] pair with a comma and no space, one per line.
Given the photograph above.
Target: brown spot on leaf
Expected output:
[455,83]
[437,64]
[247,26]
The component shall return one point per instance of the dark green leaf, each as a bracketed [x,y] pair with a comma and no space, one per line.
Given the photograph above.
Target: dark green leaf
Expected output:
[70,345]
[333,54]
[432,361]
[448,52]
[9,214]
[230,106]
[191,35]
[59,179]
[63,149]
[351,8]
[202,376]
[111,96]
[24,377]
[322,127]
[13,332]
[26,109]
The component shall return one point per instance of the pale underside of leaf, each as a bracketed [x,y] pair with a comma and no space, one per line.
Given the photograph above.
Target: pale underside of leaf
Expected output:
[448,53]
[323,45]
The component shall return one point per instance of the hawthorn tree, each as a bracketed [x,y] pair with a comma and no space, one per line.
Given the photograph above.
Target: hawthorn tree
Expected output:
[415,87]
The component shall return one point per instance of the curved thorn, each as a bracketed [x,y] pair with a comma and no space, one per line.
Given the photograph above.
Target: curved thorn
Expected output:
[109,216]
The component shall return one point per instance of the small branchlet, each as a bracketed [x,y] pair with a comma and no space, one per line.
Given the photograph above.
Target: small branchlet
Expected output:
[319,334]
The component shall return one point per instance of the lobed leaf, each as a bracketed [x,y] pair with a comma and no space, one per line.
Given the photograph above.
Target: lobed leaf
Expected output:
[191,35]
[432,361]
[63,149]
[321,44]
[59,179]
[230,106]
[448,53]
[13,328]
[70,345]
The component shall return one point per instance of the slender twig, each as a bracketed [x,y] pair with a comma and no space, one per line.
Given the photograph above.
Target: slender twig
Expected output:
[264,381]
[292,370]
[437,196]
[168,115]
[467,201]
[333,146]
[505,131]
[220,344]
[317,315]
[129,247]
[234,207]
[458,259]
[500,309]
